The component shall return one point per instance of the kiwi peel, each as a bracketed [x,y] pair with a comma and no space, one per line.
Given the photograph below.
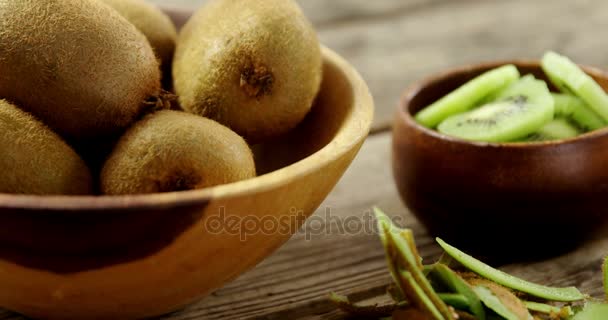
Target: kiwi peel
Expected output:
[568,294]
[500,300]
[406,268]
[470,289]
[35,160]
[252,65]
[171,151]
[453,282]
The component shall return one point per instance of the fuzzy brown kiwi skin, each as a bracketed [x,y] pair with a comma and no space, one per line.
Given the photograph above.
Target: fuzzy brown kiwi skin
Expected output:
[155,25]
[77,65]
[34,160]
[252,65]
[171,151]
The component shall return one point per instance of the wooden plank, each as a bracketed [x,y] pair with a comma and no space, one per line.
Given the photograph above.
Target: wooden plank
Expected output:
[394,42]
[294,282]
[323,257]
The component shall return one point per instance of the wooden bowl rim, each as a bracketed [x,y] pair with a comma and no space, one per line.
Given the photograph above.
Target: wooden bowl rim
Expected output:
[403,113]
[354,129]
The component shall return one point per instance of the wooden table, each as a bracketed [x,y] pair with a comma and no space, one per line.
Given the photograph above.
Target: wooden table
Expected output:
[392,43]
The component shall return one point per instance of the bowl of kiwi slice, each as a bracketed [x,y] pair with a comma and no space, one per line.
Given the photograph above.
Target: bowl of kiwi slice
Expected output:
[506,158]
[127,191]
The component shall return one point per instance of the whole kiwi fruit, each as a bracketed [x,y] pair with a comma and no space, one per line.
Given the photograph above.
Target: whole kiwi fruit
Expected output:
[77,65]
[252,65]
[175,151]
[153,23]
[35,160]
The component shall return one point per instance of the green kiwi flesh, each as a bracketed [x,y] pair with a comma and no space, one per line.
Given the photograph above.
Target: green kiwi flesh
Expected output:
[468,95]
[569,78]
[77,65]
[35,160]
[519,111]
[175,151]
[557,129]
[252,65]
[571,107]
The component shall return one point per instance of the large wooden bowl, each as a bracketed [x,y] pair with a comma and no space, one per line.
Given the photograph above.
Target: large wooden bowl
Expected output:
[142,256]
[505,201]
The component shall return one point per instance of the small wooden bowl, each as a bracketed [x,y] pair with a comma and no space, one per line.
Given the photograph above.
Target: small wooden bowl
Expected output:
[503,201]
[142,256]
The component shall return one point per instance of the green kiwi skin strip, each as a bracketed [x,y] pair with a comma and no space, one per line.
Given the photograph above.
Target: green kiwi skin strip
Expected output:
[403,279]
[494,303]
[410,263]
[384,225]
[373,311]
[567,76]
[562,313]
[423,301]
[455,283]
[593,311]
[567,105]
[467,96]
[444,259]
[568,294]
[399,250]
[408,235]
[455,300]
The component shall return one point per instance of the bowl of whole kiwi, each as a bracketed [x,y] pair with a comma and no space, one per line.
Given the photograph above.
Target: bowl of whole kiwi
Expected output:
[507,158]
[129,149]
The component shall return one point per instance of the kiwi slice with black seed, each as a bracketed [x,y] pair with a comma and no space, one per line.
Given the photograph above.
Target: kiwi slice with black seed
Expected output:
[557,129]
[571,107]
[494,96]
[520,110]
[468,95]
[569,78]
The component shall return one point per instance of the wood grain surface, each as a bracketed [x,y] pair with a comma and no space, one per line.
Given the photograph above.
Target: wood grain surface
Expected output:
[295,281]
[393,43]
[332,254]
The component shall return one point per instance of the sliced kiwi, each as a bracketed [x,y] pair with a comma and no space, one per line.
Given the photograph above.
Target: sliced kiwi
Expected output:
[569,78]
[520,110]
[569,106]
[494,96]
[557,129]
[468,95]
